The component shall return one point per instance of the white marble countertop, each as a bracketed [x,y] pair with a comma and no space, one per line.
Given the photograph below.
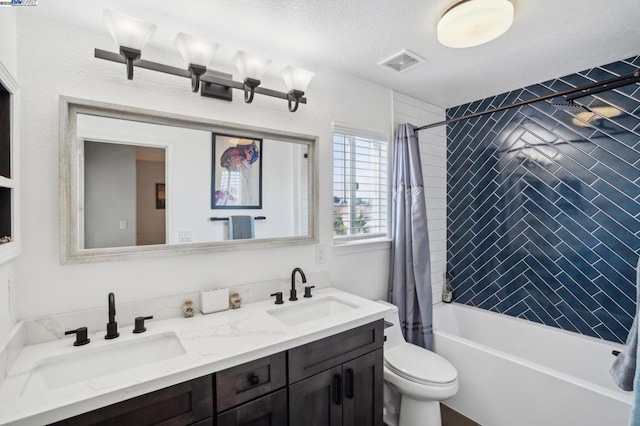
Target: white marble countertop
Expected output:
[211,342]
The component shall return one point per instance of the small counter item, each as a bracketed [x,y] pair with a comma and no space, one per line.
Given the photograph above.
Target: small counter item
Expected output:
[214,300]
[235,300]
[188,309]
[447,290]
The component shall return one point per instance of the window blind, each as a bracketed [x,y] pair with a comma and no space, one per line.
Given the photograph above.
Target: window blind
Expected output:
[359,186]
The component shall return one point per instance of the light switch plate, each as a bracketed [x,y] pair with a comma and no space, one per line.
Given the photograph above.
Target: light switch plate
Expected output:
[321,251]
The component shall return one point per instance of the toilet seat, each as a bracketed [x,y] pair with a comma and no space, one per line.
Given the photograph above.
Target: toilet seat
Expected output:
[419,365]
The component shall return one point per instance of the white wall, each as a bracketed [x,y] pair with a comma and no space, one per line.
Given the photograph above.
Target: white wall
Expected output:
[61,63]
[8,46]
[433,152]
[8,276]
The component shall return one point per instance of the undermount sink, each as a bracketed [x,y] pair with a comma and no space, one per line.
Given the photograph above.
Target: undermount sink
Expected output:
[55,372]
[310,311]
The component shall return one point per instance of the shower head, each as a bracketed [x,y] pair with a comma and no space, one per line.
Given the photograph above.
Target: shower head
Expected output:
[569,106]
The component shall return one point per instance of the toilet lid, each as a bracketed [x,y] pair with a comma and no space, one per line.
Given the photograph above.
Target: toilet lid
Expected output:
[420,365]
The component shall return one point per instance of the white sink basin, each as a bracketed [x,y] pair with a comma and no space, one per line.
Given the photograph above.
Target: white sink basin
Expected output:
[310,311]
[90,363]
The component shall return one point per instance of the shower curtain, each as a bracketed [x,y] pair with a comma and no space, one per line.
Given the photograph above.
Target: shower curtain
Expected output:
[410,266]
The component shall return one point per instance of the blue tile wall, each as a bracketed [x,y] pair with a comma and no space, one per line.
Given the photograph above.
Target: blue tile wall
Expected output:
[543,206]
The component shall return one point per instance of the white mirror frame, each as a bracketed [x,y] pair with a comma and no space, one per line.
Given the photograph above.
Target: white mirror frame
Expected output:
[69,250]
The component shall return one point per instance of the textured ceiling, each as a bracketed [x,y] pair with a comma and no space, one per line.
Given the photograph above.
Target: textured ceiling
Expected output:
[549,38]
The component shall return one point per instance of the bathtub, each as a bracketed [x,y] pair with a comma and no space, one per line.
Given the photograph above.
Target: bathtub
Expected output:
[514,372]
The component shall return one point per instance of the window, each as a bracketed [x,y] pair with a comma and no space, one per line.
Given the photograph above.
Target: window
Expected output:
[359,184]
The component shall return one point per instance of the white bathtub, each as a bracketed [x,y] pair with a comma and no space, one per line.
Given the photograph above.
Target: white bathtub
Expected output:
[514,372]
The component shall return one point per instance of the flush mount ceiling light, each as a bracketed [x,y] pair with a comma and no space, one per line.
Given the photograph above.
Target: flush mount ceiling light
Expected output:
[132,34]
[474,22]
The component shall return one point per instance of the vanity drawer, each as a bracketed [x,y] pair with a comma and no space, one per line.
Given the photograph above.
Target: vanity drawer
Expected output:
[244,382]
[314,357]
[268,410]
[182,404]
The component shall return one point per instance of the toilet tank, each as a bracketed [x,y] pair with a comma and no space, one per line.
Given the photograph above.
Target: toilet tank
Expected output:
[392,331]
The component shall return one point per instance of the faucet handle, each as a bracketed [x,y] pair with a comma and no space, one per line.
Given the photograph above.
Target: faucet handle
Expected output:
[139,327]
[278,296]
[81,336]
[307,290]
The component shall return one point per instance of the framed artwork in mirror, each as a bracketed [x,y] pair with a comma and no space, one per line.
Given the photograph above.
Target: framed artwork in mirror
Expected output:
[236,172]
[160,196]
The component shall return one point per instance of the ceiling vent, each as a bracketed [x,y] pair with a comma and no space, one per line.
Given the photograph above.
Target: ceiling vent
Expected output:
[402,61]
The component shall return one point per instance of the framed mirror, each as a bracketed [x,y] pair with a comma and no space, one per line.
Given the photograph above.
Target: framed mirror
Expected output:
[138,183]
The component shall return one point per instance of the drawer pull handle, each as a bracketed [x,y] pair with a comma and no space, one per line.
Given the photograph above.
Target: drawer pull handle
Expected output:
[337,388]
[254,380]
[349,385]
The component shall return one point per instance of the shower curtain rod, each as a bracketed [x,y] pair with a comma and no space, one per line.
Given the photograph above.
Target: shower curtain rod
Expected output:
[569,94]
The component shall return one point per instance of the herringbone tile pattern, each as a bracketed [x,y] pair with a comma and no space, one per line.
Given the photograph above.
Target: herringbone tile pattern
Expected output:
[543,206]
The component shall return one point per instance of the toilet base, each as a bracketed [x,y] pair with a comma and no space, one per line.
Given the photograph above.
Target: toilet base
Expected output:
[419,413]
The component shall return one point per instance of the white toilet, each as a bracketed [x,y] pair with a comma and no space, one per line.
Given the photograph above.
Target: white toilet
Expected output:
[415,379]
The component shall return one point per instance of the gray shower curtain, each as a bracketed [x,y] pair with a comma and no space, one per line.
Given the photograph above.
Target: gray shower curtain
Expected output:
[410,268]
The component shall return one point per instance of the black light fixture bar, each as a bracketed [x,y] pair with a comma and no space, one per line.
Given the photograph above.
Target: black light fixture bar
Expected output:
[569,95]
[216,86]
[215,218]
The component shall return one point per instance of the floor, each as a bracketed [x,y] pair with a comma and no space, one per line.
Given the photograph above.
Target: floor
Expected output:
[451,417]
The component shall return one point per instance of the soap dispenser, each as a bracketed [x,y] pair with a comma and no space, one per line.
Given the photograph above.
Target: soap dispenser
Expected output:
[447,289]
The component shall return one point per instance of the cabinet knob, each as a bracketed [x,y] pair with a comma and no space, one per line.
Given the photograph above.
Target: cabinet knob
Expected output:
[254,380]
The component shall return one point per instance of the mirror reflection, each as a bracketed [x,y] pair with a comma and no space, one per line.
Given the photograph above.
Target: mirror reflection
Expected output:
[141,184]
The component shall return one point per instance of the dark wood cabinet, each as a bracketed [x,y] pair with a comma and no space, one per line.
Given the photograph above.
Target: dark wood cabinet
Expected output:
[269,410]
[182,404]
[333,381]
[348,389]
[363,384]
[316,400]
[248,381]
[348,395]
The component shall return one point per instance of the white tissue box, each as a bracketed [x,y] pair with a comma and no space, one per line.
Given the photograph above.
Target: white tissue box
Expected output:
[214,300]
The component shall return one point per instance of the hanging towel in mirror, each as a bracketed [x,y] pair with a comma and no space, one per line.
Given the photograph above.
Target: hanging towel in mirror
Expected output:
[241,227]
[624,366]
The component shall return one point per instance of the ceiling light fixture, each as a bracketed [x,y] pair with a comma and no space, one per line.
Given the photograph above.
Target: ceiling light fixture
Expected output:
[474,22]
[132,34]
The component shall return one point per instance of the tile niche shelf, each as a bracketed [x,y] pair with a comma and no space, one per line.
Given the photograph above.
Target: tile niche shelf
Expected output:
[8,169]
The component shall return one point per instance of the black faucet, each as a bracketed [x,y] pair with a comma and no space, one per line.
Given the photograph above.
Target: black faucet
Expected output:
[112,325]
[293,296]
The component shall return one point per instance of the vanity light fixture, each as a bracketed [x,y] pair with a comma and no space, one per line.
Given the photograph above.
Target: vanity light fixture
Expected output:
[132,34]
[471,23]
[251,68]
[197,52]
[297,81]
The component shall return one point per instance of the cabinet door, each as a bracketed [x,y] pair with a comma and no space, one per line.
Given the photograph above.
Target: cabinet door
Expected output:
[317,400]
[270,410]
[363,384]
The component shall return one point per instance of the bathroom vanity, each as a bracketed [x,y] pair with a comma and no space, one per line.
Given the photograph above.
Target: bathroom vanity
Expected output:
[250,366]
[332,381]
